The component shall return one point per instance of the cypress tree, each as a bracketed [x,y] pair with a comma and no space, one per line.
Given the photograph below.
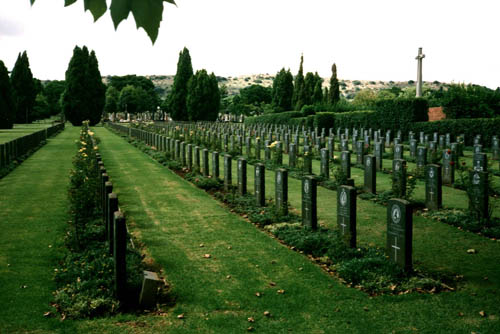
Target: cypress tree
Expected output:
[84,96]
[176,104]
[23,89]
[283,90]
[334,96]
[7,111]
[203,97]
[318,93]
[298,92]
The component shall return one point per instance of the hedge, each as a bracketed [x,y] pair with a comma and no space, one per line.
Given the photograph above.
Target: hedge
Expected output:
[399,114]
[275,118]
[486,127]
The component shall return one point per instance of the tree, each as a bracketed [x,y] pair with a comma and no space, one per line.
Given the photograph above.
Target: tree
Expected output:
[41,108]
[334,96]
[147,14]
[152,99]
[112,99]
[52,92]
[176,100]
[7,111]
[203,97]
[23,88]
[256,94]
[84,96]
[282,91]
[317,97]
[133,99]
[298,92]
[365,99]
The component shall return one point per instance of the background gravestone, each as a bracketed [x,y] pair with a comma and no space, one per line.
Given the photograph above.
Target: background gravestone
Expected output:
[346,214]
[480,161]
[307,168]
[400,232]
[197,164]
[227,172]
[421,157]
[206,169]
[370,184]
[479,199]
[433,187]
[242,176]
[119,254]
[345,163]
[325,165]
[281,191]
[399,178]
[378,152]
[398,151]
[448,167]
[309,202]
[215,164]
[260,184]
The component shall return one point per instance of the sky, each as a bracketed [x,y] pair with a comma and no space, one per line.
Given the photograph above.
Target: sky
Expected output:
[367,39]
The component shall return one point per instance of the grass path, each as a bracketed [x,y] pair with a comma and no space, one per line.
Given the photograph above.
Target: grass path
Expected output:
[33,214]
[173,218]
[20,130]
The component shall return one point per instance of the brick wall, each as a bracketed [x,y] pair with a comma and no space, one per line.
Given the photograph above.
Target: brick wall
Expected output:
[436,114]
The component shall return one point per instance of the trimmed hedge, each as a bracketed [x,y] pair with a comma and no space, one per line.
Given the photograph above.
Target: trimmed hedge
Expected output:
[486,127]
[324,120]
[399,114]
[276,118]
[357,119]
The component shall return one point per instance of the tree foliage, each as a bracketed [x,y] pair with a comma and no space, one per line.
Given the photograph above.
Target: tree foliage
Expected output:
[147,13]
[334,92]
[470,101]
[282,91]
[112,100]
[84,96]
[203,97]
[23,89]
[151,99]
[53,92]
[176,100]
[256,94]
[298,92]
[133,99]
[7,111]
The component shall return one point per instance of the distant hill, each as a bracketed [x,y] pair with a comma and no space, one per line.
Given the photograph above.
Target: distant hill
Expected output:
[348,88]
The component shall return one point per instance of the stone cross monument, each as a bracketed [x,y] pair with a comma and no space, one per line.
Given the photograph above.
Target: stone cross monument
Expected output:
[419,58]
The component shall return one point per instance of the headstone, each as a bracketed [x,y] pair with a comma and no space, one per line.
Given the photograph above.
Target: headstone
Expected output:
[479,199]
[325,163]
[433,187]
[119,254]
[307,168]
[112,207]
[215,164]
[227,172]
[331,147]
[189,159]
[345,163]
[242,176]
[267,150]
[346,214]
[370,175]
[400,232]
[378,152]
[281,191]
[413,148]
[257,148]
[309,202]
[495,148]
[399,178]
[197,163]
[278,151]
[398,151]
[292,155]
[260,184]
[480,162]
[205,164]
[360,152]
[344,145]
[448,167]
[421,157]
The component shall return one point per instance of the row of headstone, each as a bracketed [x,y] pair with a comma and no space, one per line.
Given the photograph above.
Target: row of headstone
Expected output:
[115,230]
[18,147]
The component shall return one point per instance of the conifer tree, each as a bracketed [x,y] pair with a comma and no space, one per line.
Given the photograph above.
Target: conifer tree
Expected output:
[7,111]
[203,97]
[84,96]
[282,91]
[111,104]
[298,92]
[23,89]
[334,95]
[317,97]
[176,100]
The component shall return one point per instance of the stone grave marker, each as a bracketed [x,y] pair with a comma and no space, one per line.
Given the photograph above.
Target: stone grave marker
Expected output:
[399,178]
[413,148]
[378,152]
[309,202]
[205,164]
[480,162]
[325,163]
[398,151]
[215,165]
[400,232]
[119,254]
[346,214]
[197,163]
[278,151]
[260,184]
[307,160]
[448,167]
[227,172]
[360,152]
[242,176]
[281,191]
[433,187]
[189,159]
[345,163]
[370,184]
[479,202]
[421,157]
[495,148]
[292,155]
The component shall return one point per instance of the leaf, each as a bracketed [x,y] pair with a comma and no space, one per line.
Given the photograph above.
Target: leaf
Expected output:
[119,10]
[96,7]
[32,2]
[68,2]
[148,15]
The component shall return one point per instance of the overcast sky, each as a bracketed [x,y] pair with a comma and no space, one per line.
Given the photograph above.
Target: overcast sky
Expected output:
[367,39]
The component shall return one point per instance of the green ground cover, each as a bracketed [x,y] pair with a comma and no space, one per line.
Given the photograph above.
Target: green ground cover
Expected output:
[20,130]
[173,218]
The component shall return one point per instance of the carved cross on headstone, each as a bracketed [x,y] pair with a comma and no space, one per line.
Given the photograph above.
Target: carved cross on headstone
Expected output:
[419,58]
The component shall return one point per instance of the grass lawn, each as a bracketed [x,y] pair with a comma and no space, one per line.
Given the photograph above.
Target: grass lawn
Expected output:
[173,218]
[33,214]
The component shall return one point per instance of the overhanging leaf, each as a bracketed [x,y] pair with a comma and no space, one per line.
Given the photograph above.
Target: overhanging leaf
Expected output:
[119,10]
[69,2]
[32,2]
[148,15]
[96,7]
